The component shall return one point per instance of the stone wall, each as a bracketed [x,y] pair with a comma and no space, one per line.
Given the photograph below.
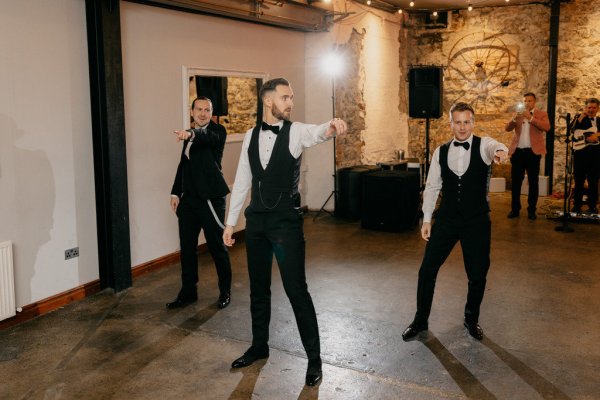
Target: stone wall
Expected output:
[371,93]
[349,101]
[578,74]
[491,56]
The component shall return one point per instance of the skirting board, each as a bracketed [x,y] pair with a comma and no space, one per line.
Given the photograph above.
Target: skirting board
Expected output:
[62,299]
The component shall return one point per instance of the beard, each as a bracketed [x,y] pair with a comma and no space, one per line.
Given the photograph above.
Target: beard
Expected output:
[281,115]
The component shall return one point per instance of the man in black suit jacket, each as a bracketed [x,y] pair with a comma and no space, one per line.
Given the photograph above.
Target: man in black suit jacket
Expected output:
[587,160]
[198,199]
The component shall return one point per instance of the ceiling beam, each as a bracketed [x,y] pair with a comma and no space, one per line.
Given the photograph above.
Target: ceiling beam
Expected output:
[287,14]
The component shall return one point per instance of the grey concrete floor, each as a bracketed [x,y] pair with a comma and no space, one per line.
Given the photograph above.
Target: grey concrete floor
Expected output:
[540,316]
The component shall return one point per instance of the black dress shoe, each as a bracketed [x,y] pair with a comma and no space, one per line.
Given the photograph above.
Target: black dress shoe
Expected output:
[182,301]
[474,330]
[250,356]
[513,214]
[314,372]
[224,300]
[531,215]
[412,331]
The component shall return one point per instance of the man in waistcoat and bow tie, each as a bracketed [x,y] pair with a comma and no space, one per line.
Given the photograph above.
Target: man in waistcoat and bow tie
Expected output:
[198,199]
[269,167]
[460,169]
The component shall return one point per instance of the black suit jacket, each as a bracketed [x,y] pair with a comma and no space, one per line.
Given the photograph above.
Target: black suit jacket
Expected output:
[201,175]
[586,124]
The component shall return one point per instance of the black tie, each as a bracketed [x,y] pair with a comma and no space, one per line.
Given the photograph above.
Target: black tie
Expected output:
[466,145]
[272,128]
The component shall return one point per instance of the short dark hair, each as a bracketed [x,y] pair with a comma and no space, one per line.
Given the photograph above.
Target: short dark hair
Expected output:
[530,94]
[459,107]
[201,98]
[271,85]
[592,100]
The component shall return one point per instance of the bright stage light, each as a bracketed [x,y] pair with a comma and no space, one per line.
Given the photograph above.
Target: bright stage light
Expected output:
[368,2]
[412,4]
[333,64]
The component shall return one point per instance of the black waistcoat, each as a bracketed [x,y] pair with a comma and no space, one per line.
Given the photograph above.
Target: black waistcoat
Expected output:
[464,196]
[276,187]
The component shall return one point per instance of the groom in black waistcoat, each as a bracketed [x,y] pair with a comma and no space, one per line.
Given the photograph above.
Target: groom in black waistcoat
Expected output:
[460,169]
[198,199]
[270,165]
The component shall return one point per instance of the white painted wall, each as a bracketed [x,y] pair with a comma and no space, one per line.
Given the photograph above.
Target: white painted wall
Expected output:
[156,44]
[46,167]
[318,160]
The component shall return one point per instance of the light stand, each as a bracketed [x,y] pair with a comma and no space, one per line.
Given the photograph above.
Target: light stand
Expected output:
[568,168]
[334,59]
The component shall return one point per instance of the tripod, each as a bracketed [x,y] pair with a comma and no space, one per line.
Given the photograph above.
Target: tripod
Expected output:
[564,227]
[334,192]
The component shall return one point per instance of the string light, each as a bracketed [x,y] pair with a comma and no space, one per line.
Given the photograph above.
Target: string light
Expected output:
[399,11]
[368,2]
[435,14]
[470,8]
[412,4]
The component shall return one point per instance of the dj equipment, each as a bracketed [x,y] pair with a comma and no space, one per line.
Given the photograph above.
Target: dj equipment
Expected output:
[390,200]
[350,190]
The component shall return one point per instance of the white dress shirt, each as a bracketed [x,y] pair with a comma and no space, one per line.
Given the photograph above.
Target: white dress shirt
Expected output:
[525,138]
[301,136]
[191,139]
[458,161]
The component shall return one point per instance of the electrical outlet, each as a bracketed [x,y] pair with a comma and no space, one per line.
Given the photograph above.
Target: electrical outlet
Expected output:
[72,253]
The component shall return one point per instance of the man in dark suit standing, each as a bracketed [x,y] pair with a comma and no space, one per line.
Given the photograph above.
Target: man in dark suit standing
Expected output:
[526,149]
[587,160]
[460,169]
[198,199]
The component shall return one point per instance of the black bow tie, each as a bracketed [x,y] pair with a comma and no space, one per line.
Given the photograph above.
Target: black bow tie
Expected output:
[272,128]
[466,145]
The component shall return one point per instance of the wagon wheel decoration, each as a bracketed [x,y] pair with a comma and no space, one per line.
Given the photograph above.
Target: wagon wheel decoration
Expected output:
[478,64]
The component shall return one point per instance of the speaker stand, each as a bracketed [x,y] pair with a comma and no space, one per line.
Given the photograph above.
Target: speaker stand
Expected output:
[426,166]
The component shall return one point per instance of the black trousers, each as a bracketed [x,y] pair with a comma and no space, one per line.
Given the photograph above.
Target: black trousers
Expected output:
[195,215]
[474,235]
[279,233]
[524,160]
[586,166]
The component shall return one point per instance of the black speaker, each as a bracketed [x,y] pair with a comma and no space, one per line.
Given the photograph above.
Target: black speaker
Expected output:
[425,90]
[390,200]
[349,185]
[215,88]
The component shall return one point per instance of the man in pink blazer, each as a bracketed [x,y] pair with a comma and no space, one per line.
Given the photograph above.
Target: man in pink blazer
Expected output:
[526,149]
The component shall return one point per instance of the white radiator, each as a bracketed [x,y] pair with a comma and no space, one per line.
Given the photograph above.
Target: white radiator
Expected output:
[7,281]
